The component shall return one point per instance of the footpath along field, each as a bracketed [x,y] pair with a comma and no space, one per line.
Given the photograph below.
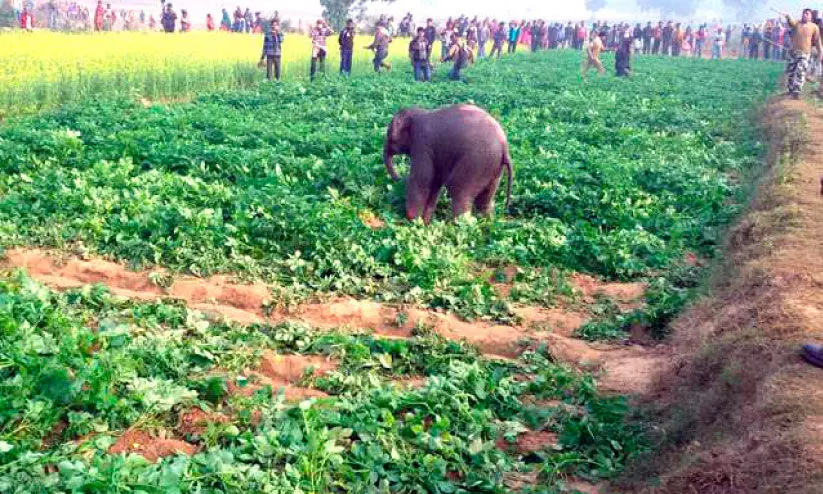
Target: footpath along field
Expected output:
[44,69]
[623,189]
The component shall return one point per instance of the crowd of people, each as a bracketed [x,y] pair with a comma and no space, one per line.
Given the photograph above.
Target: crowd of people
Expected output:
[465,39]
[462,40]
[76,16]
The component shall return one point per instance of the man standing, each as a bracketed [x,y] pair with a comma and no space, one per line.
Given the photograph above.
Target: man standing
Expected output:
[677,40]
[169,19]
[745,37]
[514,36]
[666,38]
[318,47]
[248,20]
[754,43]
[346,41]
[623,56]
[593,54]
[647,39]
[419,56]
[805,35]
[53,15]
[460,54]
[380,45]
[699,41]
[99,16]
[568,40]
[431,35]
[718,41]
[483,35]
[536,32]
[499,39]
[272,50]
[657,38]
[225,22]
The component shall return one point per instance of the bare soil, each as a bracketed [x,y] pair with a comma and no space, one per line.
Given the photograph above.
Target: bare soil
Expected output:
[196,421]
[150,448]
[530,442]
[740,411]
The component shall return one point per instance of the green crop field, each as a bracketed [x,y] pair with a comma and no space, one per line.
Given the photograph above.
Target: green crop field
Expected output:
[620,179]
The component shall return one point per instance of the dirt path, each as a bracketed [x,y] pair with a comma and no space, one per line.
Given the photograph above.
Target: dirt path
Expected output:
[622,368]
[743,412]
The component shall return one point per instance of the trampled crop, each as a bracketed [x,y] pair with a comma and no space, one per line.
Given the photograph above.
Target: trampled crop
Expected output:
[69,390]
[619,178]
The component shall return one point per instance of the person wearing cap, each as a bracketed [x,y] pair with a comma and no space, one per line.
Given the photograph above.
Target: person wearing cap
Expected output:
[318,47]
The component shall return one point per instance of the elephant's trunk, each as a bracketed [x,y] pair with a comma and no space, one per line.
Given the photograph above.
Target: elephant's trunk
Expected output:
[387,159]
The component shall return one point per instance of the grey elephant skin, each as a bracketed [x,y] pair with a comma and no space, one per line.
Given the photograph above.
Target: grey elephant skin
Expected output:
[460,147]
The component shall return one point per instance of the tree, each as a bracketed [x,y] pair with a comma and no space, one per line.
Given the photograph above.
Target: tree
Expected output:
[595,5]
[7,15]
[337,11]
[745,9]
[673,7]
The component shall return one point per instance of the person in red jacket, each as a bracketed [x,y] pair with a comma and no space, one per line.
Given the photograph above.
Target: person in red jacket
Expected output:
[26,20]
[209,22]
[99,15]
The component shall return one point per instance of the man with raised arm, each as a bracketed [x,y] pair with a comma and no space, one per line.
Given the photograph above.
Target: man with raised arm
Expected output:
[805,34]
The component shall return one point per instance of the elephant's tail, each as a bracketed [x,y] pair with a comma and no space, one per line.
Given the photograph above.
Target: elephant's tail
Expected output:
[507,162]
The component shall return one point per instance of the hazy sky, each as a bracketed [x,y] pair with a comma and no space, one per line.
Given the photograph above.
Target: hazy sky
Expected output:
[506,9]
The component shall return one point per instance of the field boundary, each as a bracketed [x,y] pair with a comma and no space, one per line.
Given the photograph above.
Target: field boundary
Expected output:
[740,411]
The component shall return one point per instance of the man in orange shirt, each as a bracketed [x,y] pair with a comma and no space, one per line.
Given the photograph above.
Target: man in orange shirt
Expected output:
[593,54]
[805,34]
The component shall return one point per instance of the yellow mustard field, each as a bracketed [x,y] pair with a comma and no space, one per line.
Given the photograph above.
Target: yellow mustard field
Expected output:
[47,68]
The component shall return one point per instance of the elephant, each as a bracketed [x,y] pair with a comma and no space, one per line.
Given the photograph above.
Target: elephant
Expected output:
[460,147]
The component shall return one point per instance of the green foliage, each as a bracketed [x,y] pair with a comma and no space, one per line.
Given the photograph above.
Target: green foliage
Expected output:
[69,390]
[337,11]
[618,178]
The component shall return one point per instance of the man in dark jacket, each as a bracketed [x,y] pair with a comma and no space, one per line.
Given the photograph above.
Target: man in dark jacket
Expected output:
[500,37]
[419,56]
[272,50]
[666,38]
[647,39]
[346,41]
[623,57]
[169,19]
[431,35]
[754,44]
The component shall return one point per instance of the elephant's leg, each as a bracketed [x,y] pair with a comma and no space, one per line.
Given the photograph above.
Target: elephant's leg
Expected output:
[431,205]
[461,200]
[419,186]
[417,196]
[484,202]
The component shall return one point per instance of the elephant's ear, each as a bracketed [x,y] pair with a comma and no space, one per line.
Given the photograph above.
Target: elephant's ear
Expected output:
[400,129]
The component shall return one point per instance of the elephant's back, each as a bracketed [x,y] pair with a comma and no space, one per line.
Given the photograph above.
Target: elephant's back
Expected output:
[469,120]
